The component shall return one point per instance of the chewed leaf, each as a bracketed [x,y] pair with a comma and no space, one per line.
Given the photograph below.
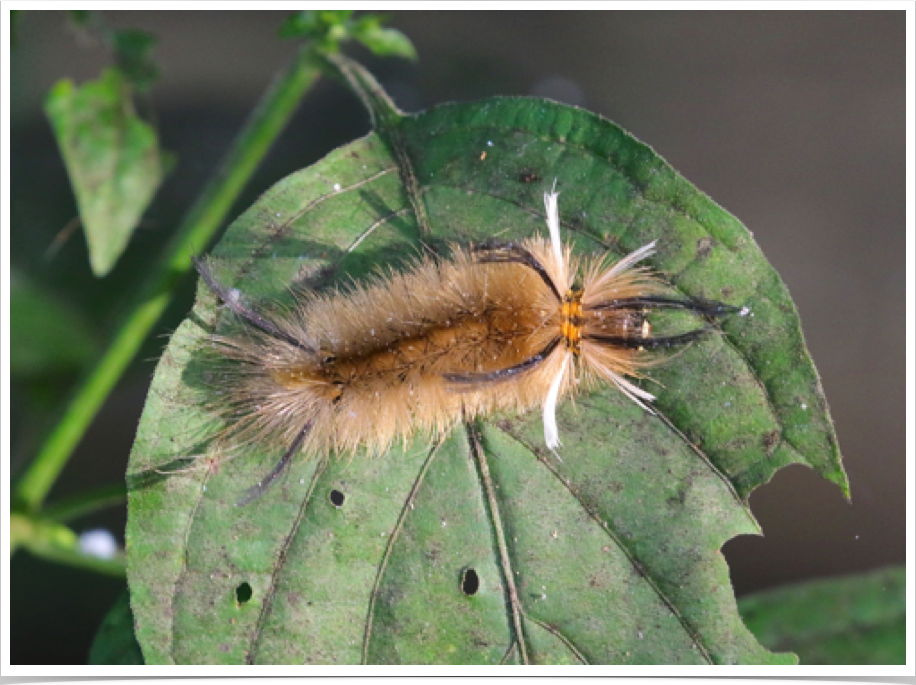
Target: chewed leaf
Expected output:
[112,157]
[608,557]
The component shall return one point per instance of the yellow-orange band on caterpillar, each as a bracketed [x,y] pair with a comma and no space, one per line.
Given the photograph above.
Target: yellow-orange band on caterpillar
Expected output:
[571,328]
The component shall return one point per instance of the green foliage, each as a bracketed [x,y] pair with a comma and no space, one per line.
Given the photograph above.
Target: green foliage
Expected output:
[112,158]
[329,28]
[112,155]
[100,170]
[850,620]
[610,556]
[855,620]
[48,336]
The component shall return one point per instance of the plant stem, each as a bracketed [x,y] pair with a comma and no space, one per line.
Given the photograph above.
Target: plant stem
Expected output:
[56,542]
[85,503]
[196,230]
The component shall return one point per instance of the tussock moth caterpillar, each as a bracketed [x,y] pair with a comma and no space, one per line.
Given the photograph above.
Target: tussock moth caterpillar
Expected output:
[496,326]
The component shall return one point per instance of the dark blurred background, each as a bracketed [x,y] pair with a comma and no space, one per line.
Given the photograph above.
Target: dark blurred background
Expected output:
[793,121]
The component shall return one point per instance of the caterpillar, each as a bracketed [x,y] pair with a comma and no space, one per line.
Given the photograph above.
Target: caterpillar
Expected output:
[498,325]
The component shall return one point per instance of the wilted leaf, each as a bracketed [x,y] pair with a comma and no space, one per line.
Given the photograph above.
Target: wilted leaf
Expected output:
[857,619]
[112,158]
[610,556]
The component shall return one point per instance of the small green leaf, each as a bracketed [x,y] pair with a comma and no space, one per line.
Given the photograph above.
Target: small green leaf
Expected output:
[852,620]
[329,28]
[385,42]
[46,336]
[112,158]
[115,643]
[611,556]
[315,24]
[16,17]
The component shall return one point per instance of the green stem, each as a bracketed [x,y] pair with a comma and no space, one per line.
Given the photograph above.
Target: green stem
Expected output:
[383,113]
[85,503]
[198,228]
[56,542]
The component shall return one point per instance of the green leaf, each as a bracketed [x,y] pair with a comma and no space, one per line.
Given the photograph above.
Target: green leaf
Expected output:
[112,158]
[382,41]
[46,336]
[852,620]
[115,643]
[316,24]
[329,28]
[610,556]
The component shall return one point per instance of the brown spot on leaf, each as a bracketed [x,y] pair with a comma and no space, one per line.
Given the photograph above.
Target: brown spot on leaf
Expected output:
[704,245]
[770,440]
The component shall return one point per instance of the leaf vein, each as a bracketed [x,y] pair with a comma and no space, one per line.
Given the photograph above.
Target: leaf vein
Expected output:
[515,606]
[612,534]
[561,637]
[267,604]
[408,505]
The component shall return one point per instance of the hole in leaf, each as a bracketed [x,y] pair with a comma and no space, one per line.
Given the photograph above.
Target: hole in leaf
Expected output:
[470,582]
[243,593]
[337,498]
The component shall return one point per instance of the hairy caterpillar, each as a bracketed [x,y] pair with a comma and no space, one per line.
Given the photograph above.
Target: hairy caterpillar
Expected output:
[496,326]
